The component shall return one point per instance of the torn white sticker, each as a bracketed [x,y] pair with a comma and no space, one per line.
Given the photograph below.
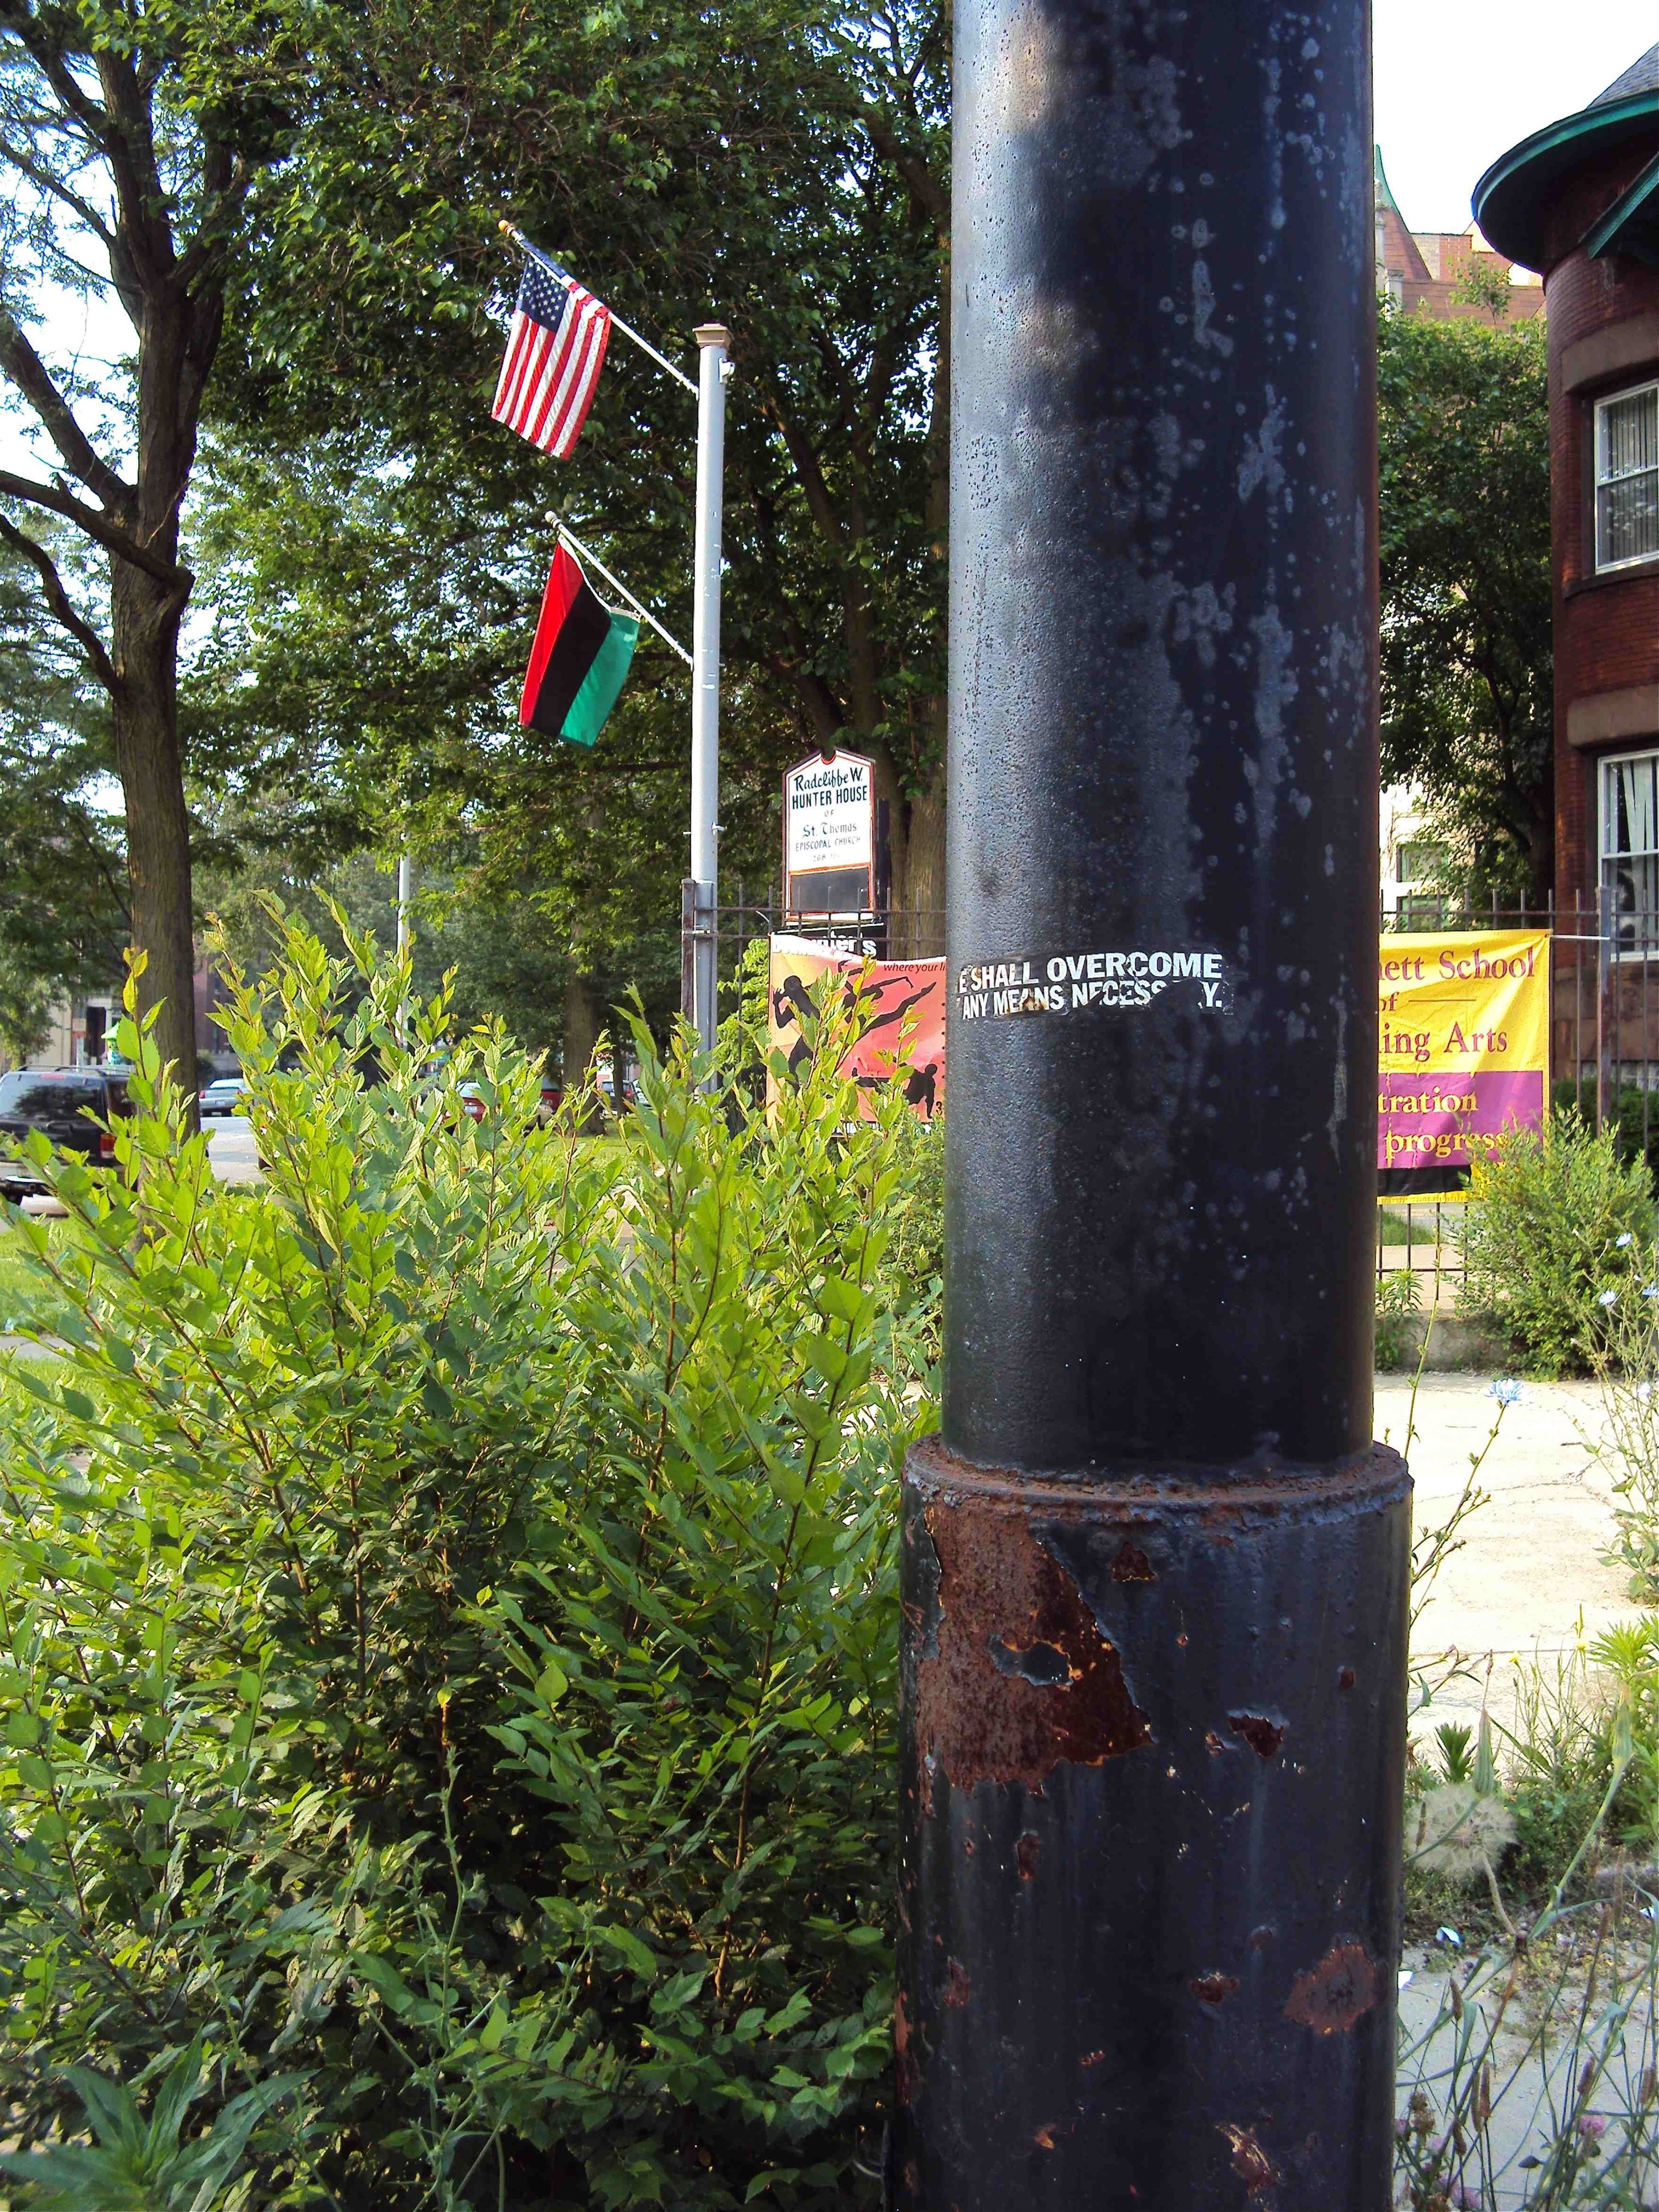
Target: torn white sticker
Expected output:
[1076,983]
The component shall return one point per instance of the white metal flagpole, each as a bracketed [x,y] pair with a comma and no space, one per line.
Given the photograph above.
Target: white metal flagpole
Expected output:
[713,369]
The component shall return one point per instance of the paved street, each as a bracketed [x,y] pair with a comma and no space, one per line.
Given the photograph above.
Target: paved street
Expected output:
[231,1149]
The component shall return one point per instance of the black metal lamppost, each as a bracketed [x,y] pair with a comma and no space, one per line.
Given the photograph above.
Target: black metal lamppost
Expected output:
[1156,1570]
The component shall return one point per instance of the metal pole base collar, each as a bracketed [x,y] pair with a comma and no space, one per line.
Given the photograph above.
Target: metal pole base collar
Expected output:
[1153,1727]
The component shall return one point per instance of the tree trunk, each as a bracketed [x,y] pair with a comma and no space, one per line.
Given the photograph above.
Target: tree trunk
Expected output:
[918,923]
[145,632]
[582,1011]
[581,1026]
[919,892]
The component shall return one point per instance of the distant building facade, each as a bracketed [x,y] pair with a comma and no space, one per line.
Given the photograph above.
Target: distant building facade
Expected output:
[1579,202]
[1424,271]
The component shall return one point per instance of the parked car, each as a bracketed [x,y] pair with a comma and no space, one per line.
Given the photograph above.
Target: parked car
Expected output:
[224,1095]
[471,1098]
[552,1099]
[58,1102]
[113,1074]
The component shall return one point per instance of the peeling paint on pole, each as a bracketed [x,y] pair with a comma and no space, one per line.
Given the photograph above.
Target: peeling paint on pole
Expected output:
[1155,1569]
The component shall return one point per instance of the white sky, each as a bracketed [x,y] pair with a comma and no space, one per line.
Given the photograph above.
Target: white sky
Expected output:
[1459,82]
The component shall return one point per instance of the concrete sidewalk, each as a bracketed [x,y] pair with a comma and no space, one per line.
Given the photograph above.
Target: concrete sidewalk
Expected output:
[1532,1567]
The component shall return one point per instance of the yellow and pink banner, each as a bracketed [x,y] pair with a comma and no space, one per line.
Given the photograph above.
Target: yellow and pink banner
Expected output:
[1464,1044]
[900,1014]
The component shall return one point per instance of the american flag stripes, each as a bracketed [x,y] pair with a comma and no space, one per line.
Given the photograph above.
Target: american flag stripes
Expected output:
[554,348]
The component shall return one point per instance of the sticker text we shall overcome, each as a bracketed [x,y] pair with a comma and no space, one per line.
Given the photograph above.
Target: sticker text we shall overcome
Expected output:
[1069,982]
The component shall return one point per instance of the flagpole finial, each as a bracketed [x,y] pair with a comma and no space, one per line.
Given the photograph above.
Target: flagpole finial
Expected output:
[712,334]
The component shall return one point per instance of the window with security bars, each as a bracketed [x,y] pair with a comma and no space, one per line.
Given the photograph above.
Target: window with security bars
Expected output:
[1630,852]
[1627,478]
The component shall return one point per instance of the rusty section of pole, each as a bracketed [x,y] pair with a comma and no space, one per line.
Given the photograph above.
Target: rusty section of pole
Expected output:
[1154,1738]
[1155,1570]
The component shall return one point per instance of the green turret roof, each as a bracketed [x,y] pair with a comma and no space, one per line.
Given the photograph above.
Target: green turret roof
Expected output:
[1511,200]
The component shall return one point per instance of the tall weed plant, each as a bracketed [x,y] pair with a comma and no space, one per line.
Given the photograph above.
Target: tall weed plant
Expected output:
[449,1617]
[1555,1218]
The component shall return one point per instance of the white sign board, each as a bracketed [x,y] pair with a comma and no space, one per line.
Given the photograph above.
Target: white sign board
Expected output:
[829,814]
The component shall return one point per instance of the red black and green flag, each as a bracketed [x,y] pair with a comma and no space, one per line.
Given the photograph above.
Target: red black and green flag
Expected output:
[578,662]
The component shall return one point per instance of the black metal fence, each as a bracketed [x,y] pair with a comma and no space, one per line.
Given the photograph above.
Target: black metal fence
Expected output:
[752,911]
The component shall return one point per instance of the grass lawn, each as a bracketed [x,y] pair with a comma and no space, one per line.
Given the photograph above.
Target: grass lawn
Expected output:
[1392,1227]
[23,1297]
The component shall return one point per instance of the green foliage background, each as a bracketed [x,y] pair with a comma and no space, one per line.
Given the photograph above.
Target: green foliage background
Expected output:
[1468,661]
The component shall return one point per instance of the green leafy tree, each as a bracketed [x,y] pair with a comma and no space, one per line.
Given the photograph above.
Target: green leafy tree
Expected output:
[781,167]
[64,913]
[1467,713]
[128,138]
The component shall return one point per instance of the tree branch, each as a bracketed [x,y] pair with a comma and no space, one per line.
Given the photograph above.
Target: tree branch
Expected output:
[226,194]
[131,148]
[49,57]
[24,368]
[58,600]
[56,500]
[42,178]
[924,187]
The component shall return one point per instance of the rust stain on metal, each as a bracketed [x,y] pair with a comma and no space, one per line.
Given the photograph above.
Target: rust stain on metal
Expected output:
[1091,2058]
[1214,1742]
[1332,1996]
[1250,2161]
[906,2079]
[1132,1564]
[1045,2137]
[1345,1680]
[958,1989]
[1213,1989]
[1023,1680]
[1026,1852]
[1261,1937]
[1264,1736]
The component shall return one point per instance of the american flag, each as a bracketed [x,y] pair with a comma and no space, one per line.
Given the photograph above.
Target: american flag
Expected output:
[554,348]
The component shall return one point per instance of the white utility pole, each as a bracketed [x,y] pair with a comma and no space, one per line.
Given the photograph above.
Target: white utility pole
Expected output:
[713,369]
[405,897]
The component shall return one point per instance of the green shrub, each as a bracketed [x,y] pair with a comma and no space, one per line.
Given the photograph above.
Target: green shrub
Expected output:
[450,1622]
[1398,1297]
[1634,1117]
[1553,1219]
[916,1255]
[1628,1363]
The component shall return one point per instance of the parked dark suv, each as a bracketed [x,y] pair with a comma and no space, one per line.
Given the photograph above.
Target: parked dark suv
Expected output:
[56,1101]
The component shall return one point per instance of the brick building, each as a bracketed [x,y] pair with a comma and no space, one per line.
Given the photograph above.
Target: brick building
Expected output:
[1579,202]
[1424,270]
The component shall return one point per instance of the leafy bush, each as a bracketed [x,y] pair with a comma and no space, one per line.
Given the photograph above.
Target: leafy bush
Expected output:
[917,1255]
[1555,1217]
[1634,1118]
[1398,1297]
[449,1617]
[1628,1364]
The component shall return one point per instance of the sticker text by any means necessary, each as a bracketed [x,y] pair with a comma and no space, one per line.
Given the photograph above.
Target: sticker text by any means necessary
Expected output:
[1072,982]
